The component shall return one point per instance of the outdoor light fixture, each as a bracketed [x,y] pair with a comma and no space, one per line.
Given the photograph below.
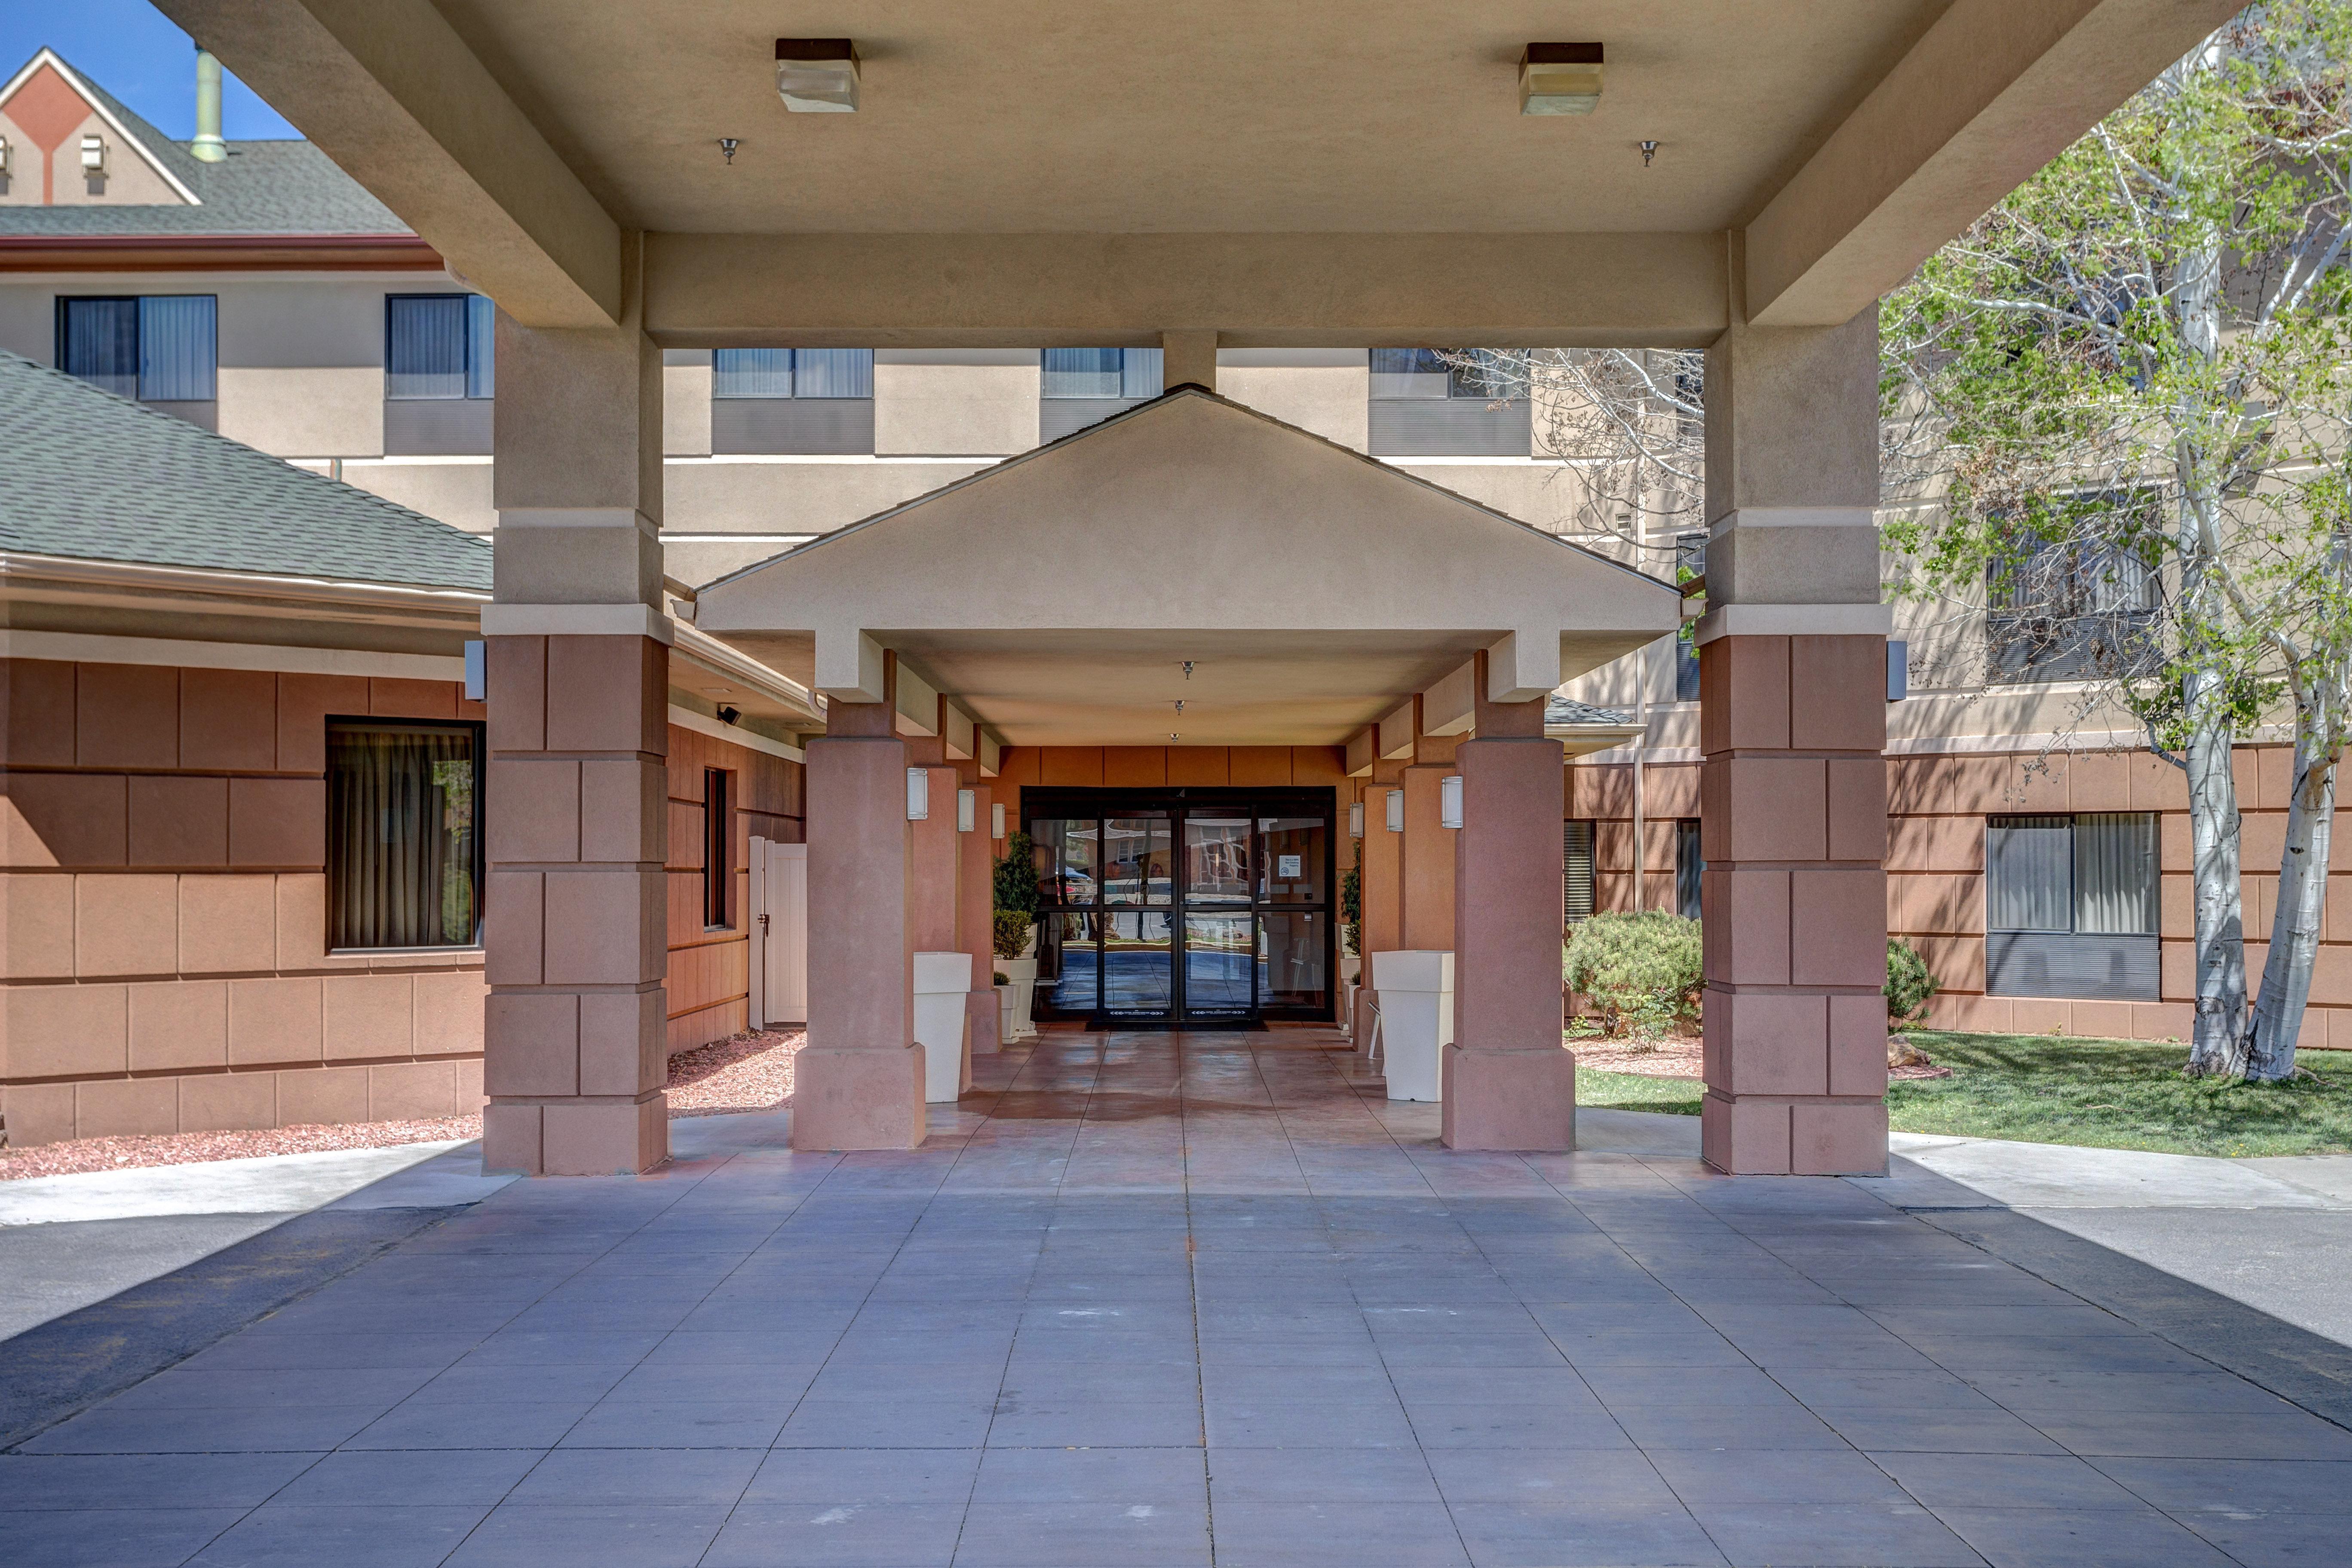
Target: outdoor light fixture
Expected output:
[817,76]
[93,155]
[1559,79]
[1356,820]
[966,810]
[919,794]
[1449,801]
[996,820]
[1396,811]
[478,671]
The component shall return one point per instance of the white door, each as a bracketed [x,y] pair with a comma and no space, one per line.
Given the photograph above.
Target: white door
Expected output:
[780,932]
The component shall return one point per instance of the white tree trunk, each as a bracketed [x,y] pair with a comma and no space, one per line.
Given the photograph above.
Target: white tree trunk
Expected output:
[2302,898]
[2217,1044]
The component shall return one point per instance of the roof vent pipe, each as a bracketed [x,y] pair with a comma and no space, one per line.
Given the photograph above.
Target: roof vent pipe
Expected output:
[209,147]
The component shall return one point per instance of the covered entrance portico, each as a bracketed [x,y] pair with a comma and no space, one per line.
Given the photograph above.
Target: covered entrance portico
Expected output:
[1311,618]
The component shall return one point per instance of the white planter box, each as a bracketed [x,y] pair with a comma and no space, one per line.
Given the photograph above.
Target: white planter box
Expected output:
[1021,975]
[942,980]
[1416,993]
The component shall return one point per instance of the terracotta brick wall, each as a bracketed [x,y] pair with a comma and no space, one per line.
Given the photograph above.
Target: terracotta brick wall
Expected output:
[164,860]
[709,971]
[1937,808]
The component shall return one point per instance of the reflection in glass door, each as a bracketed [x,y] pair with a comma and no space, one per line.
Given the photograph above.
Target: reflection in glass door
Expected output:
[1192,910]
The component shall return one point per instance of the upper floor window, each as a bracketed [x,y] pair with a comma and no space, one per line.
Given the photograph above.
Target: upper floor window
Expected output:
[791,373]
[157,348]
[2079,606]
[1123,373]
[1449,403]
[1485,375]
[439,346]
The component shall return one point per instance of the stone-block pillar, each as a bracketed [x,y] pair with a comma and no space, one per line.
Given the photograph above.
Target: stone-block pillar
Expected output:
[1426,856]
[1509,1082]
[859,1080]
[575,1038]
[1793,790]
[935,872]
[976,911]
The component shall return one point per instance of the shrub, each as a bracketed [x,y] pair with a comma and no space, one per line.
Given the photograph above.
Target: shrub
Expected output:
[1351,909]
[1909,986]
[1011,933]
[1642,971]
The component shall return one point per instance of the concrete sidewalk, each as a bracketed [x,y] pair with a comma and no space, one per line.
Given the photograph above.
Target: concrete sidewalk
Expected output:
[66,1242]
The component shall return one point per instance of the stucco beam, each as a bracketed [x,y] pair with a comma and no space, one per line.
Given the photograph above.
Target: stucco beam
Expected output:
[390,91]
[1990,93]
[1255,290]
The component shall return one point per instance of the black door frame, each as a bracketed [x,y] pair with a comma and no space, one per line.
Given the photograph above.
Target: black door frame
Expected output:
[1099,805]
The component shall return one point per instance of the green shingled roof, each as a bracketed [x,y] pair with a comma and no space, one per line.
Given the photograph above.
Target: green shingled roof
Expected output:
[88,475]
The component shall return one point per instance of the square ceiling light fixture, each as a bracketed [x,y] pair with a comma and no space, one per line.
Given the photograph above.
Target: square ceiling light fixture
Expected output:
[1559,79]
[817,76]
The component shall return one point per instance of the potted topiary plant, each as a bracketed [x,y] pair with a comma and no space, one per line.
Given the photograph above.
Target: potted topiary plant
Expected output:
[1017,898]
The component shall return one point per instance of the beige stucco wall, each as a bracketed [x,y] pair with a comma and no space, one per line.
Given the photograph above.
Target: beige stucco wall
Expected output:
[454,489]
[685,402]
[805,495]
[1322,390]
[304,411]
[955,403]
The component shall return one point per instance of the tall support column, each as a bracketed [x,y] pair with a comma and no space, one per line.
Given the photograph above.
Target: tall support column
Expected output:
[1792,728]
[1426,874]
[1509,1082]
[858,1082]
[935,874]
[575,914]
[976,911]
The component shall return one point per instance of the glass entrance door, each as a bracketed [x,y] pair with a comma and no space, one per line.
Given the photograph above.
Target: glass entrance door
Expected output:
[1207,907]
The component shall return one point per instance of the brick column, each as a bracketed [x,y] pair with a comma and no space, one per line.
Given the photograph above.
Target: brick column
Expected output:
[576,925]
[1425,872]
[935,872]
[859,1080]
[1509,1083]
[1793,789]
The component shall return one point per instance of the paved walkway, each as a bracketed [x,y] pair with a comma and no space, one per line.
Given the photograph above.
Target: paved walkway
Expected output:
[1188,1300]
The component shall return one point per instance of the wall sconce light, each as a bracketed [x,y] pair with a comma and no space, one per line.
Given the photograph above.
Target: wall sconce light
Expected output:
[1356,820]
[817,76]
[93,155]
[996,820]
[966,810]
[1396,811]
[478,671]
[1449,801]
[1898,669]
[919,794]
[1559,79]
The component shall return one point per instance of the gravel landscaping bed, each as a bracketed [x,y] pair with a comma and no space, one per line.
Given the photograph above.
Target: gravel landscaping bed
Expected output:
[751,1071]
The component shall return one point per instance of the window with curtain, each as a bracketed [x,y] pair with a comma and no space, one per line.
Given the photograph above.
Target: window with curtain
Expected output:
[2093,873]
[157,348]
[2084,604]
[1576,872]
[403,835]
[1690,561]
[1121,373]
[791,373]
[439,346]
[1482,374]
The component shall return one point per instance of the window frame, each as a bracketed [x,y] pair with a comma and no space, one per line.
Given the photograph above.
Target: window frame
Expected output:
[793,369]
[479,375]
[1690,869]
[1571,916]
[61,342]
[479,862]
[717,849]
[1132,375]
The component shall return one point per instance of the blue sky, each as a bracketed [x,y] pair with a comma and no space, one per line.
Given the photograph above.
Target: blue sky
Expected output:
[136,53]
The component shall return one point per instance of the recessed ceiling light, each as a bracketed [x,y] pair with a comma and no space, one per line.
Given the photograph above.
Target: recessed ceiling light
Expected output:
[1559,79]
[817,76]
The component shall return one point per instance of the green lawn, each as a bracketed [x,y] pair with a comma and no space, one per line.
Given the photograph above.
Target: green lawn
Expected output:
[2105,1094]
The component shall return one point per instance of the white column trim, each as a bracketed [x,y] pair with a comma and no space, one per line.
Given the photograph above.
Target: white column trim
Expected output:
[1795,620]
[577,621]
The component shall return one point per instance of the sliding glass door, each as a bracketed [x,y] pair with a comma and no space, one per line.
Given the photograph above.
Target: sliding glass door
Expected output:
[1166,907]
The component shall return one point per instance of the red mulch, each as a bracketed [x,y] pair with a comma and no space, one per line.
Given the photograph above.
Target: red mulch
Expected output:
[750,1071]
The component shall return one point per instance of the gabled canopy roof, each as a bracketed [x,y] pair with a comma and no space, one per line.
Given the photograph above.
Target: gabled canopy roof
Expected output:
[1058,596]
